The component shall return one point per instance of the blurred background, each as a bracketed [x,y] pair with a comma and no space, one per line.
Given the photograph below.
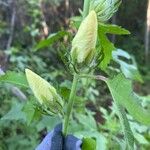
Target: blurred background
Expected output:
[23,24]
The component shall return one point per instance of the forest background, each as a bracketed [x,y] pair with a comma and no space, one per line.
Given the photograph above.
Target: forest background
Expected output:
[23,24]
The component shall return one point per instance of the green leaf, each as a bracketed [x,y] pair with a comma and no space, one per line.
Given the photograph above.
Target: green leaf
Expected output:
[76,21]
[141,139]
[88,144]
[113,29]
[87,121]
[122,92]
[14,78]
[50,40]
[101,141]
[22,111]
[130,70]
[29,111]
[15,113]
[107,48]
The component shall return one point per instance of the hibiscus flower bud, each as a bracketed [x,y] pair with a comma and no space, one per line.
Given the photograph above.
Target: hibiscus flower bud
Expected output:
[104,8]
[84,42]
[44,92]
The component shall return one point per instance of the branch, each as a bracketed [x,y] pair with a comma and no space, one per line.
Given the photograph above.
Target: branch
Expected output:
[96,77]
[12,25]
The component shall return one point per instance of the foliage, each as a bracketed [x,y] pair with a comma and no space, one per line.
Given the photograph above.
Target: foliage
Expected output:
[23,123]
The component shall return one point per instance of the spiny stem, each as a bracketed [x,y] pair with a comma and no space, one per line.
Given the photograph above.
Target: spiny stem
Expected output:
[125,126]
[70,104]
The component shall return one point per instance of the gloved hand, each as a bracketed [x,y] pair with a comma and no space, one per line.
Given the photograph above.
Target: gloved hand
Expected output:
[55,141]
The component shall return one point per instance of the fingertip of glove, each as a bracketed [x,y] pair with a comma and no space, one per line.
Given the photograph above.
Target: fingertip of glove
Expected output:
[58,128]
[72,143]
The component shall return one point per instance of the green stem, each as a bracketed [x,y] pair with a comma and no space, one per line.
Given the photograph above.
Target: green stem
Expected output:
[70,104]
[125,126]
[86,8]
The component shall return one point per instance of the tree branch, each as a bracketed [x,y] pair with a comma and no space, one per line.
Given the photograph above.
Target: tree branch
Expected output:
[12,25]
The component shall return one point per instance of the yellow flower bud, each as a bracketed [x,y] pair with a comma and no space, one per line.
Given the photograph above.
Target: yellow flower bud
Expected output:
[83,44]
[104,8]
[43,91]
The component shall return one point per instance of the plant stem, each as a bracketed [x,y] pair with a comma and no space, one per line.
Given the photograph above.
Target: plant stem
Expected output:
[125,126]
[86,8]
[70,104]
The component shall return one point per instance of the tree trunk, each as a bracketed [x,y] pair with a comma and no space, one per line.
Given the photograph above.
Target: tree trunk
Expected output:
[147,33]
[113,21]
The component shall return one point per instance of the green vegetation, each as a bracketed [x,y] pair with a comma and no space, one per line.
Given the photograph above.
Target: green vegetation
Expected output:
[85,80]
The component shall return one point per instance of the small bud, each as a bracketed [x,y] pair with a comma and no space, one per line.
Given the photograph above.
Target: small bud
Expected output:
[44,92]
[83,44]
[104,8]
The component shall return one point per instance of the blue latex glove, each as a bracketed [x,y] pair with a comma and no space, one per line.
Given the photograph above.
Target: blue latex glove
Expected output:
[55,141]
[72,143]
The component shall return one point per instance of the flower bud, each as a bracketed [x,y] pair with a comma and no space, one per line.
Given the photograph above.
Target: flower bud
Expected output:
[83,44]
[104,8]
[44,92]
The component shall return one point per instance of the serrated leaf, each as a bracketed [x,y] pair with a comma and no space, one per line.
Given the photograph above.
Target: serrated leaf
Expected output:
[107,48]
[122,92]
[50,40]
[14,78]
[130,70]
[113,29]
[88,144]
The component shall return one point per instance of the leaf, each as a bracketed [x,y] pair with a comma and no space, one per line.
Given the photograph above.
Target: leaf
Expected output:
[29,111]
[122,92]
[101,141]
[76,21]
[48,122]
[50,40]
[107,48]
[141,139]
[88,144]
[113,29]
[14,78]
[87,121]
[129,70]
[15,113]
[22,111]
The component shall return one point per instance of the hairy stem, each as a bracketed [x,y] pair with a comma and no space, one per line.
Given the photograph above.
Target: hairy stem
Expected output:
[70,104]
[128,135]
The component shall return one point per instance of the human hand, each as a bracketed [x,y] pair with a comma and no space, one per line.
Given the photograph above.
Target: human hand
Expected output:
[55,141]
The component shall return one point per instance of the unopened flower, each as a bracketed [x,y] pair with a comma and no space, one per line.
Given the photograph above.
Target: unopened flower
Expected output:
[83,44]
[44,92]
[104,8]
